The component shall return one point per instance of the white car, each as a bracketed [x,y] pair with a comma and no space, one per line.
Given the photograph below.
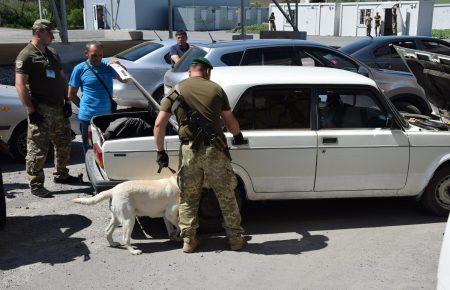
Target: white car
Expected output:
[13,122]
[443,278]
[312,133]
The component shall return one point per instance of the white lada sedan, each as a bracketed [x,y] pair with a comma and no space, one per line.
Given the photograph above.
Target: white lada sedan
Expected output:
[312,133]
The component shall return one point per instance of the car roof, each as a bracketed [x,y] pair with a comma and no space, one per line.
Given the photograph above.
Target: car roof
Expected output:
[265,75]
[259,42]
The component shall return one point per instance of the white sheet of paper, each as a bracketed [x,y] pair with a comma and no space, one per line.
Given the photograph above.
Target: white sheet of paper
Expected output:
[123,74]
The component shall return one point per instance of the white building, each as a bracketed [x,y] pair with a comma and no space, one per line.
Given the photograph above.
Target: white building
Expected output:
[347,19]
[441,16]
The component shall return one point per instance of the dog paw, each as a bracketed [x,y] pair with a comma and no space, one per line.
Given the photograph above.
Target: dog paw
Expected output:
[136,252]
[114,244]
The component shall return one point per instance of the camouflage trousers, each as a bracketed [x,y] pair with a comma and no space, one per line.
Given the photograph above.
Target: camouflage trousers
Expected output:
[54,129]
[210,164]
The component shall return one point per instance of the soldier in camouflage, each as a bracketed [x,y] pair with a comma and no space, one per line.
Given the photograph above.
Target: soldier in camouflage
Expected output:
[206,163]
[39,67]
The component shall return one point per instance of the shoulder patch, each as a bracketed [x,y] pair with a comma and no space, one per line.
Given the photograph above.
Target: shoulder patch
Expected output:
[19,63]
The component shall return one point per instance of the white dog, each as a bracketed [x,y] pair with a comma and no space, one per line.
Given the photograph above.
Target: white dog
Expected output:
[153,198]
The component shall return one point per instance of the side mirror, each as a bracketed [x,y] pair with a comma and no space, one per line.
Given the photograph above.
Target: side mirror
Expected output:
[363,71]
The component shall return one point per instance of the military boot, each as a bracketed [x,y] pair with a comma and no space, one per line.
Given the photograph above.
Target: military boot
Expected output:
[190,245]
[237,244]
[41,192]
[68,179]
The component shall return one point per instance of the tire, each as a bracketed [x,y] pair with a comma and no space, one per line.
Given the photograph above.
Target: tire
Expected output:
[407,108]
[18,142]
[436,198]
[210,215]
[2,204]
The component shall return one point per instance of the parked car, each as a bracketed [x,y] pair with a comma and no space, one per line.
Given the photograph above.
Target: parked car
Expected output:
[13,122]
[3,150]
[312,133]
[443,276]
[400,87]
[379,52]
[148,62]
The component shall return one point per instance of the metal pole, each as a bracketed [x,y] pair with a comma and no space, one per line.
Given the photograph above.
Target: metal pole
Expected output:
[40,9]
[296,14]
[285,15]
[58,22]
[170,19]
[64,20]
[242,19]
[112,16]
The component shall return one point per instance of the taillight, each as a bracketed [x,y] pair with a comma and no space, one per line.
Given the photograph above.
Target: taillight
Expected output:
[89,135]
[98,155]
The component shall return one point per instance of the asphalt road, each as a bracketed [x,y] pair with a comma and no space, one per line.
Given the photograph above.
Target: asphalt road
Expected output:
[344,244]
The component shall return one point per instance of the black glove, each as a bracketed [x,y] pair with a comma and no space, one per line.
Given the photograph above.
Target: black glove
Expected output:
[36,118]
[67,109]
[239,139]
[162,159]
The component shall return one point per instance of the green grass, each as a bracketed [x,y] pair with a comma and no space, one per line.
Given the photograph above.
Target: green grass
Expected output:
[441,33]
[253,29]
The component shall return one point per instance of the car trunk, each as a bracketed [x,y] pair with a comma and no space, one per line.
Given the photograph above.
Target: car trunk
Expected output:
[432,72]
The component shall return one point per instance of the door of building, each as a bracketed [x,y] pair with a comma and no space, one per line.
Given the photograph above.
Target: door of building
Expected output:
[99,16]
[387,22]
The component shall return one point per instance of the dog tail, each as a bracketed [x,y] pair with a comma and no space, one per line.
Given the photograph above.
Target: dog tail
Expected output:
[95,199]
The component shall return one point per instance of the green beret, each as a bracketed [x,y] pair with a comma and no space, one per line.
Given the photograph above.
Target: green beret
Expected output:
[202,60]
[43,24]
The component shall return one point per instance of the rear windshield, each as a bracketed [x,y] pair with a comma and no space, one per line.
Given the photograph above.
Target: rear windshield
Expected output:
[138,51]
[355,46]
[183,64]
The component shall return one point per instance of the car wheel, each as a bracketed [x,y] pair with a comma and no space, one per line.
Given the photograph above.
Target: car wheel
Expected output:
[2,204]
[210,215]
[407,108]
[436,197]
[18,143]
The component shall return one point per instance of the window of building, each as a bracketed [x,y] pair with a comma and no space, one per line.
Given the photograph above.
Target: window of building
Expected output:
[362,15]
[348,109]
[274,108]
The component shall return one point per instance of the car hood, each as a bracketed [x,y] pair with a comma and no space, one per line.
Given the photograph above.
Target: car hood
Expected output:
[432,72]
[8,92]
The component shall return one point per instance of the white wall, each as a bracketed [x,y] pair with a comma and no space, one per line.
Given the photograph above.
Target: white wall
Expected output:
[441,16]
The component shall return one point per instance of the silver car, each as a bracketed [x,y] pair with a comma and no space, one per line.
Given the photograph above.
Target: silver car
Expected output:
[147,62]
[400,87]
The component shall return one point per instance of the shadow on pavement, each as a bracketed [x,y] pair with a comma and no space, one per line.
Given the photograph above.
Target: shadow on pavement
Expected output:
[42,239]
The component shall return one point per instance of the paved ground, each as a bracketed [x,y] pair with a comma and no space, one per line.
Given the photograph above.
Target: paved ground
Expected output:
[11,35]
[343,244]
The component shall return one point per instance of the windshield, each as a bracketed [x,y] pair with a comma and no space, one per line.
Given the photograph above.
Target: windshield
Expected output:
[138,51]
[355,46]
[183,64]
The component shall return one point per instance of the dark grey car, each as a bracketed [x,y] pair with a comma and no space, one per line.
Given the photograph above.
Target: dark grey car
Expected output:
[379,52]
[400,87]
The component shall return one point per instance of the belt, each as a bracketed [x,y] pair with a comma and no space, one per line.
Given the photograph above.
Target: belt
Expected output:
[206,143]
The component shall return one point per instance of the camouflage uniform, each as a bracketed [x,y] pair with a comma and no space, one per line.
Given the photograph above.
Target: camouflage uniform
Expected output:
[55,129]
[211,164]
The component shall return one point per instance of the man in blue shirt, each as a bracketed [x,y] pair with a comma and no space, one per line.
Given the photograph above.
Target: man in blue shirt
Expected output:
[95,78]
[177,50]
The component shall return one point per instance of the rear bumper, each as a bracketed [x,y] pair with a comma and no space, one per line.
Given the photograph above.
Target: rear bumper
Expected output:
[98,180]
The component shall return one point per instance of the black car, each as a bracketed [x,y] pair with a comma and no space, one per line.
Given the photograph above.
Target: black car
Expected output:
[379,52]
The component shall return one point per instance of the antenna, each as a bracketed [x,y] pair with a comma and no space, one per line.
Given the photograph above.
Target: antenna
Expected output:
[212,39]
[157,35]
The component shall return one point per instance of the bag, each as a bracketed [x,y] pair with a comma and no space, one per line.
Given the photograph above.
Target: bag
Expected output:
[113,103]
[127,127]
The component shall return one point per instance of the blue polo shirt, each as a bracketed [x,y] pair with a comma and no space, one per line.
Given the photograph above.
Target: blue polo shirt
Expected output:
[95,99]
[176,50]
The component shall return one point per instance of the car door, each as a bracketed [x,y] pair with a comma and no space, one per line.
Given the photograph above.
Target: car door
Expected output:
[281,151]
[357,148]
[386,57]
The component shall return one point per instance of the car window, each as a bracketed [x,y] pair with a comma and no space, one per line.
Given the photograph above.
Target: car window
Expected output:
[183,64]
[436,47]
[138,51]
[232,59]
[388,50]
[274,108]
[332,59]
[305,59]
[270,56]
[348,109]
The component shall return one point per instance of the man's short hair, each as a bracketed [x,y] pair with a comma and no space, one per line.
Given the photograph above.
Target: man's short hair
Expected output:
[180,32]
[93,43]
